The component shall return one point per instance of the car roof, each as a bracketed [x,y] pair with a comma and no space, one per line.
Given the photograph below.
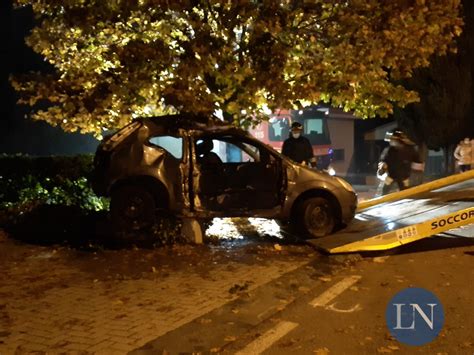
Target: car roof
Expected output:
[190,122]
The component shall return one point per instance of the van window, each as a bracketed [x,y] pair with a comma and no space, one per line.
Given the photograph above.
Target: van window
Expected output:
[173,145]
[278,129]
[313,126]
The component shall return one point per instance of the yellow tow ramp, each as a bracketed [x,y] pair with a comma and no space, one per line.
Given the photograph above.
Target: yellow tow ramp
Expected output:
[407,216]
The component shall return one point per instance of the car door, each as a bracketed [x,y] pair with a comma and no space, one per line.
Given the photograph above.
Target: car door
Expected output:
[236,175]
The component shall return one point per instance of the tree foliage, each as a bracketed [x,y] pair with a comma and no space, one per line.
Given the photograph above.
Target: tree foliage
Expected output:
[117,59]
[445,113]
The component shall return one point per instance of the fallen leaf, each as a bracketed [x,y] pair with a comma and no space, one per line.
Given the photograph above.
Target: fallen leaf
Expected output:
[205,320]
[393,347]
[235,311]
[230,338]
[325,278]
[383,350]
[304,289]
[153,269]
[215,350]
[322,351]
[117,302]
[380,259]
[277,247]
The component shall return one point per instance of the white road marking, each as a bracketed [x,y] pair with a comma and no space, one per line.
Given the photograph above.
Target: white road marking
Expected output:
[327,296]
[332,307]
[266,340]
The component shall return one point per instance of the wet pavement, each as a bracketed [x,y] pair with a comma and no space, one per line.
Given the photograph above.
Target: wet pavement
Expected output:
[60,298]
[91,296]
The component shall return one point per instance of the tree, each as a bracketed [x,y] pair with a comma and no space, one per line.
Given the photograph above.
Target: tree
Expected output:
[445,113]
[123,58]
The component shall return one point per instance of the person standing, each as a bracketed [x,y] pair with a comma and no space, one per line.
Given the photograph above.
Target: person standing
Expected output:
[464,154]
[297,147]
[397,161]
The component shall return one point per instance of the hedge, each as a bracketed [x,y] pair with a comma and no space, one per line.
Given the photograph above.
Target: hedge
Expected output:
[27,182]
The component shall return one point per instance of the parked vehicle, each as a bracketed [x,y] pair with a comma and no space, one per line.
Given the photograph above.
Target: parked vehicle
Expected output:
[174,164]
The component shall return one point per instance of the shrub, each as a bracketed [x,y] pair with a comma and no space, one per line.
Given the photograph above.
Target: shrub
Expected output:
[28,182]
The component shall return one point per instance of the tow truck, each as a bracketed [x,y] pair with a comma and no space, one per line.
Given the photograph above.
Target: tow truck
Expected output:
[440,207]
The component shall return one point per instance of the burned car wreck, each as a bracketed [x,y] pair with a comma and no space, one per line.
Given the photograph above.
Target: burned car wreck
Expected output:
[177,165]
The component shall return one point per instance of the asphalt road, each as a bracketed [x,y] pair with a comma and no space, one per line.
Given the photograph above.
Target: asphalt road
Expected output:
[338,307]
[253,293]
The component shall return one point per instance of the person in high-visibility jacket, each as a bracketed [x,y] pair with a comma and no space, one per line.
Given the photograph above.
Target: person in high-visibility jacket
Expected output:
[397,161]
[297,147]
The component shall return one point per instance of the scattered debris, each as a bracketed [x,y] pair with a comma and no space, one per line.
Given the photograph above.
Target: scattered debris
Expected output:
[239,288]
[277,247]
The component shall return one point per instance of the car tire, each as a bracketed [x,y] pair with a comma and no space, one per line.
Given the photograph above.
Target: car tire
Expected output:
[316,217]
[132,208]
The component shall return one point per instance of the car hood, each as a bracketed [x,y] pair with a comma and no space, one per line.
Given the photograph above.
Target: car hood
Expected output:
[300,174]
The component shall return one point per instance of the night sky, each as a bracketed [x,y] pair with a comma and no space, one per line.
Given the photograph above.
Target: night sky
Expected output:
[18,134]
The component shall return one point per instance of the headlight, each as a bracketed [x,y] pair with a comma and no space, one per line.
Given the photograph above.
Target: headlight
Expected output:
[331,171]
[345,184]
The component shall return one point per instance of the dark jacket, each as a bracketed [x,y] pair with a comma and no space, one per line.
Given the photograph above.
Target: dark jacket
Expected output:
[399,159]
[298,149]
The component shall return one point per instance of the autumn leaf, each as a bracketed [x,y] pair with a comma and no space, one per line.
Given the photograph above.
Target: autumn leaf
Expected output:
[114,61]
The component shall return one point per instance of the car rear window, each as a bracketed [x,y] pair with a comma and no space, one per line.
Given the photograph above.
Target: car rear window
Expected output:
[173,145]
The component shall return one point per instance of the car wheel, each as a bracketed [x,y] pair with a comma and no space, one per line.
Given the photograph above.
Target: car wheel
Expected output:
[132,208]
[316,217]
